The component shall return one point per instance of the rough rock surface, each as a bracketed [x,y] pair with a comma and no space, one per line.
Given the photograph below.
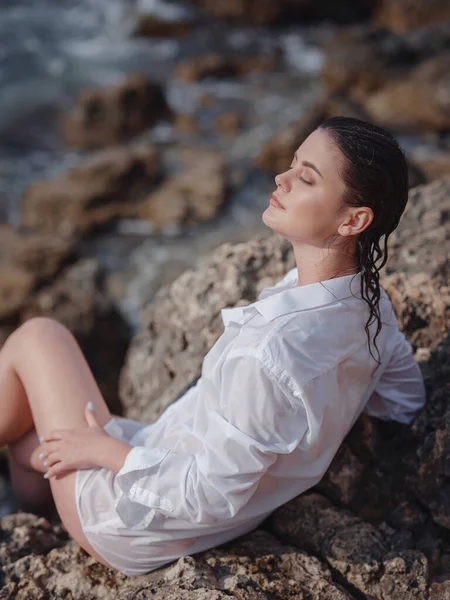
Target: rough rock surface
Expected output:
[358,551]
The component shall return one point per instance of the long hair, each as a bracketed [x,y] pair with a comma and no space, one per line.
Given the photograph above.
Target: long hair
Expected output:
[375,175]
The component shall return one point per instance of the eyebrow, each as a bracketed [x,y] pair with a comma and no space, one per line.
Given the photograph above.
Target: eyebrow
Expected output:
[306,163]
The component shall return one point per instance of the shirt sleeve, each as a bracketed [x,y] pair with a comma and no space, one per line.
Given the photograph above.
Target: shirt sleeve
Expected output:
[400,393]
[253,421]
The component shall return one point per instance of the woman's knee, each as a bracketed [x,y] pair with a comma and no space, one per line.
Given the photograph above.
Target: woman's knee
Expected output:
[40,328]
[36,331]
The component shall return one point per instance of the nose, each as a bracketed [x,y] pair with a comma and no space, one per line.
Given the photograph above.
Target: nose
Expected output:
[283,180]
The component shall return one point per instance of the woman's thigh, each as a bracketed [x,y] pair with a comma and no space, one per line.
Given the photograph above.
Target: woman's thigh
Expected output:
[58,383]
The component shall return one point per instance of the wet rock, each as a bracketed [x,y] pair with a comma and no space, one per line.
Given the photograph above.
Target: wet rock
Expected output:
[77,300]
[215,65]
[355,549]
[103,117]
[103,188]
[192,196]
[402,15]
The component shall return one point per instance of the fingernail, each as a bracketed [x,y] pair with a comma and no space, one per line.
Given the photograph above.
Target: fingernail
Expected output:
[42,438]
[45,463]
[45,475]
[90,406]
[41,455]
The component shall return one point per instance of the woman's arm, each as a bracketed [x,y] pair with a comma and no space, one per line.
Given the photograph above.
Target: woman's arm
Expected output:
[112,453]
[400,393]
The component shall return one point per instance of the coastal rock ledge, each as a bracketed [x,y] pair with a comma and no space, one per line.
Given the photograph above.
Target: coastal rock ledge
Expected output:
[376,527]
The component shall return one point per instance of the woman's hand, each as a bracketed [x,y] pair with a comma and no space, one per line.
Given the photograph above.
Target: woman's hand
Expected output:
[65,450]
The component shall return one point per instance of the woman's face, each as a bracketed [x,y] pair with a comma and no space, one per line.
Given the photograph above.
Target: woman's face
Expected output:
[311,193]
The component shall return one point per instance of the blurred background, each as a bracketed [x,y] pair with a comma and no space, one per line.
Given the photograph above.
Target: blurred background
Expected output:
[136,136]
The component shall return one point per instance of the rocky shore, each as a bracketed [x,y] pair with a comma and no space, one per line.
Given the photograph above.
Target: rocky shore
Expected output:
[377,526]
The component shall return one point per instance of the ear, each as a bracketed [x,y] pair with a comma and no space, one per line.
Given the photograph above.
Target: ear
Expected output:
[357,219]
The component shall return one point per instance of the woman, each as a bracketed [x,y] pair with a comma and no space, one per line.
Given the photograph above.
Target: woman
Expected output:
[279,390]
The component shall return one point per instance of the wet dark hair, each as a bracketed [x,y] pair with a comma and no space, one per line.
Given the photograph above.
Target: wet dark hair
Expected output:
[375,175]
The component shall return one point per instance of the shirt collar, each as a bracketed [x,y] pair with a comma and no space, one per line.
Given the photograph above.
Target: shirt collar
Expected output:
[280,300]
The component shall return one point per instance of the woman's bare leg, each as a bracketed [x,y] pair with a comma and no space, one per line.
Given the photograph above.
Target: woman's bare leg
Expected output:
[32,491]
[45,383]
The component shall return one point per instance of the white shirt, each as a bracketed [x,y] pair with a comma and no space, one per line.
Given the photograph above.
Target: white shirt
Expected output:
[278,392]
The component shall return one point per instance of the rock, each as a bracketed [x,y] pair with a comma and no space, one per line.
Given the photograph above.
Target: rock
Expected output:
[103,188]
[215,65]
[192,196]
[422,241]
[377,70]
[422,306]
[77,300]
[343,477]
[434,167]
[440,590]
[355,549]
[104,117]
[402,15]
[40,254]
[37,559]
[15,286]
[418,101]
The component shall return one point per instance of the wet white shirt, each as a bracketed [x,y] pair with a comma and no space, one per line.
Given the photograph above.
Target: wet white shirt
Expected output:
[278,392]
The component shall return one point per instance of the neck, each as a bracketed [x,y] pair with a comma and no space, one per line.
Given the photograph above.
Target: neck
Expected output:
[318,264]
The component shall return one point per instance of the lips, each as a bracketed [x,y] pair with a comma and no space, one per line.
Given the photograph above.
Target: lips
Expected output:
[277,201]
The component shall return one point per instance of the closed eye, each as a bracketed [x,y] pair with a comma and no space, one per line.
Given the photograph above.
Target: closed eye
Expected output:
[304,180]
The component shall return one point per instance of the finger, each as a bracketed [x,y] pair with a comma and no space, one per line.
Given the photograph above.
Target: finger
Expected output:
[56,470]
[51,459]
[91,418]
[57,434]
[49,447]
